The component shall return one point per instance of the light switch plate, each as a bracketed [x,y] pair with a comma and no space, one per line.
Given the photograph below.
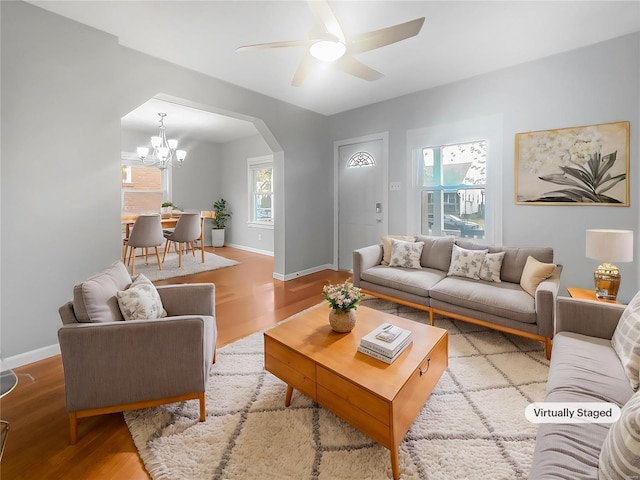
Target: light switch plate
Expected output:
[394,186]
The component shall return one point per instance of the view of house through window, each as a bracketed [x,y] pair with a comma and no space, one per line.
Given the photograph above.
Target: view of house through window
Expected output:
[260,171]
[142,190]
[452,183]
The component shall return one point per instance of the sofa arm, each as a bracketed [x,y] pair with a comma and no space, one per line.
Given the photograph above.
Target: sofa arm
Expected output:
[587,317]
[546,295]
[364,258]
[117,363]
[189,299]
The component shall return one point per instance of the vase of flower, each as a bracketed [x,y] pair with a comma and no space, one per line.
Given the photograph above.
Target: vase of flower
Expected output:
[342,322]
[343,300]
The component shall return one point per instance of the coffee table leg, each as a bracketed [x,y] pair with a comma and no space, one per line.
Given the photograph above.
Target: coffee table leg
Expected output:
[395,463]
[287,400]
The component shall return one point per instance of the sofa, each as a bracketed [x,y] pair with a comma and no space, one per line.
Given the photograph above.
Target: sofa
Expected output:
[511,289]
[585,367]
[127,344]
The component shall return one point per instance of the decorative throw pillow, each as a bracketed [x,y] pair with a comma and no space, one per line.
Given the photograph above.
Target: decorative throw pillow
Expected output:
[620,453]
[534,273]
[141,301]
[405,254]
[386,246]
[626,340]
[491,266]
[466,263]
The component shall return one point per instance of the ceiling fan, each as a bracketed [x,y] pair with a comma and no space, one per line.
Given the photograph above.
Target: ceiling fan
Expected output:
[327,42]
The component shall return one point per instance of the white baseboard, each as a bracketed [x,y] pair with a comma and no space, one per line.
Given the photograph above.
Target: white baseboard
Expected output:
[302,273]
[250,249]
[30,357]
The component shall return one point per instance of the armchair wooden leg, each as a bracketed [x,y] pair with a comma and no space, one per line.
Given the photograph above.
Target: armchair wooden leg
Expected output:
[547,348]
[73,428]
[203,410]
[166,248]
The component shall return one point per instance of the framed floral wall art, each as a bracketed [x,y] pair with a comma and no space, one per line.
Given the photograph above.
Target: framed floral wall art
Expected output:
[574,166]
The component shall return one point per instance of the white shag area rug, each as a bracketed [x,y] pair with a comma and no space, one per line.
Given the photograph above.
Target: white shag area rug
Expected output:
[472,427]
[170,268]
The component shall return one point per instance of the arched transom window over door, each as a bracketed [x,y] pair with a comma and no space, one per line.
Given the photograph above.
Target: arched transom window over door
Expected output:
[361,159]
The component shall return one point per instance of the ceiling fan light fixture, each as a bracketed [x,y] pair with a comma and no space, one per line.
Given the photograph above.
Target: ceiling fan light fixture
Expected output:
[327,50]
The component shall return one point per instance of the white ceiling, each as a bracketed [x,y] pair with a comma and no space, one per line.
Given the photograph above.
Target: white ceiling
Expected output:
[458,40]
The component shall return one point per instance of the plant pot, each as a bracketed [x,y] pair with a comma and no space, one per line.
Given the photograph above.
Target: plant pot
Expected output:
[217,237]
[342,322]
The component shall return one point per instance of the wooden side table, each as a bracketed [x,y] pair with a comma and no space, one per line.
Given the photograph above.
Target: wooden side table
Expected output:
[586,294]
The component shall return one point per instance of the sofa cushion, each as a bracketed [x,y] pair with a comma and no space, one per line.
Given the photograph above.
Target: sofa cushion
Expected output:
[626,341]
[583,369]
[436,252]
[141,301]
[504,299]
[534,274]
[491,266]
[417,282]
[405,254]
[620,454]
[386,245]
[94,300]
[466,263]
[515,258]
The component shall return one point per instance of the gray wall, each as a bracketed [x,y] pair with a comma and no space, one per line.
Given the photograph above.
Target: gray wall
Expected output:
[233,176]
[65,87]
[597,84]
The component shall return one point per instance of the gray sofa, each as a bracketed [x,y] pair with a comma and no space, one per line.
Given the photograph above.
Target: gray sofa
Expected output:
[112,364]
[584,368]
[504,306]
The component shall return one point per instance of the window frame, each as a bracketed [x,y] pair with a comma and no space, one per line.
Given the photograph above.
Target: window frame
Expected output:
[489,129]
[254,164]
[129,159]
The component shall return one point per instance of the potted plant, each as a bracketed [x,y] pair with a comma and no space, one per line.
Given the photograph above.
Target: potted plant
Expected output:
[219,222]
[166,208]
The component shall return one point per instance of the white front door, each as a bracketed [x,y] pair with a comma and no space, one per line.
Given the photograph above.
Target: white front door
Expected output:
[362,199]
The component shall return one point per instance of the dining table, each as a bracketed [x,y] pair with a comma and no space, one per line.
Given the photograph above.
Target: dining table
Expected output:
[168,222]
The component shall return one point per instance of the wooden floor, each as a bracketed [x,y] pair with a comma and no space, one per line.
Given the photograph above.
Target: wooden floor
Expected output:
[247,300]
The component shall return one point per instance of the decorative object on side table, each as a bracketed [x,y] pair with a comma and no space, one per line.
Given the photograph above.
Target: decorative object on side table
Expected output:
[343,299]
[219,222]
[609,246]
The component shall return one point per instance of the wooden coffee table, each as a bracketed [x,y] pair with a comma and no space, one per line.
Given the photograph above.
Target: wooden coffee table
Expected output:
[379,399]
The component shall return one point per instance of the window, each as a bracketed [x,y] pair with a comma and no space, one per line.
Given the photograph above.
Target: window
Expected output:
[260,171]
[143,188]
[452,186]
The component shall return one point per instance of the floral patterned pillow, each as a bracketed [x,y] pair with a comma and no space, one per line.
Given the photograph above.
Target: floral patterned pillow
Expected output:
[405,254]
[466,263]
[491,266]
[141,301]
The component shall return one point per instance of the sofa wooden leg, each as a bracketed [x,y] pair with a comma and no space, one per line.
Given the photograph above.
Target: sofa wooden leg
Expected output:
[203,410]
[431,317]
[547,348]
[73,428]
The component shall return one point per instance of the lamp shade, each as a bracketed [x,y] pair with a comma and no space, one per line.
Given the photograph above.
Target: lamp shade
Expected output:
[610,245]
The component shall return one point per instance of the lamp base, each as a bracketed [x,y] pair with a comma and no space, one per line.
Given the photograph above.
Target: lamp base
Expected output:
[607,281]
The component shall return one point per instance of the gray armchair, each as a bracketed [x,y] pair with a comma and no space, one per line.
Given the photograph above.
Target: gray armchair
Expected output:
[111,365]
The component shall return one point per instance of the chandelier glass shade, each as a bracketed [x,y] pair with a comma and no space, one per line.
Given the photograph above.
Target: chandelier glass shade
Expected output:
[164,153]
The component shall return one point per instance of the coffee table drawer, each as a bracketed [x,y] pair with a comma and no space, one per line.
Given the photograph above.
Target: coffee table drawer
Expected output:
[354,395]
[291,367]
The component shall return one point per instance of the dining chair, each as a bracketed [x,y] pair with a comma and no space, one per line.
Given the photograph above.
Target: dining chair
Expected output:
[187,231]
[146,232]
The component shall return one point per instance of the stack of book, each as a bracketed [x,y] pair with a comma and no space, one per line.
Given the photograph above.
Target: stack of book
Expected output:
[386,342]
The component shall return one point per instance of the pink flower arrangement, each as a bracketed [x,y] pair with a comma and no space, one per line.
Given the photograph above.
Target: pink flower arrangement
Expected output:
[343,297]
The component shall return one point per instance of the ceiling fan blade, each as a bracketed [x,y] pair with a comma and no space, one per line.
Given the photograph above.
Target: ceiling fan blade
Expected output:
[385,36]
[262,46]
[350,65]
[327,18]
[304,70]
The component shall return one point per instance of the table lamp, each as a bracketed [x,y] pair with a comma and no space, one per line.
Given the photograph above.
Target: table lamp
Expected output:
[609,246]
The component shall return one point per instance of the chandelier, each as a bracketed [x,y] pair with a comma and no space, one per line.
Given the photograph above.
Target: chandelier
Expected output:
[164,152]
